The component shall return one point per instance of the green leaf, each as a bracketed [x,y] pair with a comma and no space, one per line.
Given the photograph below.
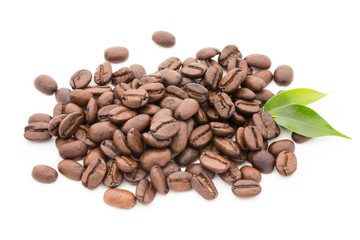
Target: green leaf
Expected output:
[302,96]
[305,121]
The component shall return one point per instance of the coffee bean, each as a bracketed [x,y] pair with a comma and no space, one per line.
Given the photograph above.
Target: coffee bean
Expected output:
[70,124]
[37,131]
[175,91]
[246,188]
[109,149]
[103,74]
[135,176]
[170,102]
[263,161]
[266,124]
[62,95]
[164,39]
[250,173]
[253,83]
[204,186]
[187,108]
[151,157]
[82,134]
[232,174]
[201,117]
[200,136]
[258,61]
[180,139]
[150,109]
[237,63]
[207,53]
[135,98]
[123,75]
[80,79]
[80,97]
[113,176]
[39,117]
[299,138]
[121,142]
[155,91]
[95,153]
[187,156]
[73,150]
[224,105]
[253,138]
[116,54]
[158,180]
[173,63]
[283,75]
[45,84]
[232,80]
[134,141]
[103,115]
[265,75]
[126,163]
[281,145]
[150,78]
[264,95]
[244,93]
[170,77]
[189,60]
[212,77]
[194,70]
[138,70]
[105,99]
[101,131]
[228,52]
[91,111]
[121,114]
[222,129]
[237,119]
[286,163]
[149,139]
[71,169]
[227,146]
[214,162]
[44,174]
[54,125]
[98,90]
[196,91]
[247,107]
[169,168]
[120,198]
[195,168]
[145,192]
[94,173]
[164,128]
[179,181]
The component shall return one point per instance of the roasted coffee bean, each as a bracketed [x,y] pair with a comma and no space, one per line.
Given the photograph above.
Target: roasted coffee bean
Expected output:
[44,174]
[135,176]
[120,89]
[169,168]
[39,117]
[246,188]
[170,102]
[101,131]
[228,52]
[45,84]
[190,126]
[237,63]
[264,95]
[135,84]
[244,93]
[62,95]
[224,105]
[59,109]
[286,163]
[266,124]
[105,99]
[150,78]
[121,142]
[222,129]
[80,79]
[95,153]
[163,39]
[60,141]
[283,75]
[201,117]
[250,173]
[197,92]
[82,134]
[70,124]
[232,80]
[120,198]
[175,91]
[54,124]
[98,90]
[94,173]
[258,61]
[103,74]
[240,140]
[126,163]
[103,115]
[173,63]
[187,156]
[170,77]
[212,77]
[254,83]
[179,181]
[265,75]
[151,157]
[195,168]
[204,186]
[247,107]
[207,53]
[180,139]
[194,70]
[237,119]
[253,138]
[188,108]
[299,138]
[189,60]
[227,146]
[116,54]
[113,176]
[38,131]
[164,128]
[72,107]
[123,75]
[149,139]
[121,114]
[158,180]
[155,91]
[135,98]
[73,150]
[91,111]
[134,140]
[263,161]
[201,136]
[150,109]
[231,175]
[109,149]
[139,122]
[281,145]
[214,162]
[138,70]
[71,169]
[145,192]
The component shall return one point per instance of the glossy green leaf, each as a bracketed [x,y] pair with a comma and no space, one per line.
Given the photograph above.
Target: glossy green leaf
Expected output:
[305,121]
[302,96]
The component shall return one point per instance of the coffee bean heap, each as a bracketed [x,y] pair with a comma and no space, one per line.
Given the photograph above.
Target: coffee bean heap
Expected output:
[154,124]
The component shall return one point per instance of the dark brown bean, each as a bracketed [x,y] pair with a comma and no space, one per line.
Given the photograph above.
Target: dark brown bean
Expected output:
[155,91]
[283,75]
[264,95]
[200,136]
[70,124]
[286,163]
[258,61]
[113,177]
[101,131]
[214,162]
[194,70]
[246,188]
[228,52]
[173,63]
[232,80]
[250,173]
[263,161]
[134,139]
[253,138]
[91,111]
[135,98]
[105,99]
[266,124]
[180,139]
[82,134]
[187,156]
[123,75]
[237,63]
[95,153]
[109,149]
[224,105]
[174,91]
[231,175]
[45,84]
[299,138]
[247,107]
[187,108]
[120,142]
[44,174]
[151,157]
[179,181]
[98,90]
[120,198]
[265,75]
[227,146]
[158,180]
[94,174]
[204,186]
[170,167]
[73,149]
[254,83]
[145,192]
[164,128]
[281,145]
[135,176]
[139,122]
[126,163]
[195,168]
[138,70]
[71,169]
[170,77]
[244,93]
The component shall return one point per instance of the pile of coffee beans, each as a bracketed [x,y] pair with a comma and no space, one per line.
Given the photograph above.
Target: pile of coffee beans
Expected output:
[156,124]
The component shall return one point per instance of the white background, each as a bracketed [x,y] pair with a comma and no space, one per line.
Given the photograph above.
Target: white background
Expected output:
[319,39]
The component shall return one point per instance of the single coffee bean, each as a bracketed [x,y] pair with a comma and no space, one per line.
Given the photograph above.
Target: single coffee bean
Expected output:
[180,139]
[286,163]
[82,134]
[39,117]
[264,95]
[244,93]
[60,141]
[247,107]
[156,91]
[194,70]
[201,136]
[163,39]
[153,156]
[222,129]
[150,78]
[150,109]
[91,111]
[263,161]
[170,77]
[145,192]
[207,53]
[266,124]
[299,138]
[80,79]
[103,74]
[138,70]
[98,90]
[62,95]
[54,125]
[214,162]
[121,114]
[95,153]
[120,198]
[70,124]
[45,84]
[134,140]
[71,169]
[59,109]
[94,174]
[232,80]
[162,113]
[265,75]
[113,176]
[188,108]
[227,146]
[164,128]
[253,138]
[231,175]
[212,77]
[190,126]
[101,131]
[174,91]
[109,149]
[135,98]
[73,150]
[283,75]
[120,89]
[169,168]
[258,61]
[224,105]
[103,115]
[44,174]
[281,145]
[37,132]
[170,102]
[253,83]
[179,181]
[201,117]
[228,52]
[158,180]
[195,168]
[126,163]
[135,84]
[246,188]
[187,156]
[204,186]
[123,75]
[105,99]
[149,139]
[237,63]
[237,119]
[173,63]
[116,54]
[121,142]
[189,60]
[135,176]
[250,173]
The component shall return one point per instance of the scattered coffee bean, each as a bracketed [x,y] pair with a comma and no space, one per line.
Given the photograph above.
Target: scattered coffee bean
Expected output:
[286,163]
[299,138]
[145,192]
[44,174]
[263,161]
[116,54]
[250,173]
[204,186]
[120,198]
[258,61]
[246,188]
[80,79]
[45,84]
[164,39]
[281,145]
[283,75]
